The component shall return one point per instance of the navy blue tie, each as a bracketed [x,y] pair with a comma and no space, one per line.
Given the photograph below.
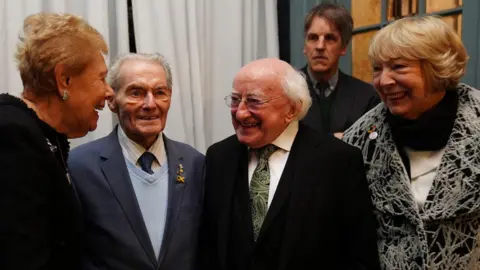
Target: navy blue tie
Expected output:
[145,161]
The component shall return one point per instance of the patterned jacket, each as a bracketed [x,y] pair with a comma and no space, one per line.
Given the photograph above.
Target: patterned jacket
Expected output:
[443,233]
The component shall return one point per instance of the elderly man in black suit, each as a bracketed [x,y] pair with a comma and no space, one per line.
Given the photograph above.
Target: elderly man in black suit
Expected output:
[338,99]
[280,195]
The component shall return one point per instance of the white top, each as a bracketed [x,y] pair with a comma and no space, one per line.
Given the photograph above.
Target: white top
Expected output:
[423,169]
[132,150]
[277,160]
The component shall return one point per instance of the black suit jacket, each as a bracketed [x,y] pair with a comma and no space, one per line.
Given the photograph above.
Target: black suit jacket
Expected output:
[321,215]
[353,99]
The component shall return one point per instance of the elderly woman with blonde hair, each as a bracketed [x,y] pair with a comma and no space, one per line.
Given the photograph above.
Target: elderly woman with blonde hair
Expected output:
[62,66]
[421,147]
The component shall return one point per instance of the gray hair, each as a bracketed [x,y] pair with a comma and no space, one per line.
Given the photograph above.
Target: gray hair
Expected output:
[113,76]
[296,88]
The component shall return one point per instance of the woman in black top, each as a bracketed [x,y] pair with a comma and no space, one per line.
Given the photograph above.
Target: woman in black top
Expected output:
[61,62]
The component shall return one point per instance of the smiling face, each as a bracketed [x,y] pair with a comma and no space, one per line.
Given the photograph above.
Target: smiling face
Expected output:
[262,125]
[87,94]
[323,47]
[142,100]
[403,88]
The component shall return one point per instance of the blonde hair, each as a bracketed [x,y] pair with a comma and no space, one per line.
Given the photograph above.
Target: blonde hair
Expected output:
[428,39]
[49,39]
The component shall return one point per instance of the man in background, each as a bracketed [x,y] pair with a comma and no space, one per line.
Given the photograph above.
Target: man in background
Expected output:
[141,192]
[338,99]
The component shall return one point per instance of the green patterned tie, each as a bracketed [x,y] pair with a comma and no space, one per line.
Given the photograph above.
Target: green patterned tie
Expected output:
[259,186]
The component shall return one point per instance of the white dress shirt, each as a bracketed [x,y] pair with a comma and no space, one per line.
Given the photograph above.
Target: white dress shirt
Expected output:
[423,169]
[132,150]
[277,160]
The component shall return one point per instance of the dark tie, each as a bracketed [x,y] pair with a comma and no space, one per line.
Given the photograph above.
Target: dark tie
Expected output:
[320,88]
[259,187]
[145,161]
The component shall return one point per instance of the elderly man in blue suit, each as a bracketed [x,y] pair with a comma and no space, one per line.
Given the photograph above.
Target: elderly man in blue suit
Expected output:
[141,192]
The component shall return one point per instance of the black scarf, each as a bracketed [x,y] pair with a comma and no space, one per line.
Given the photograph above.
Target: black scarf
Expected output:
[430,131]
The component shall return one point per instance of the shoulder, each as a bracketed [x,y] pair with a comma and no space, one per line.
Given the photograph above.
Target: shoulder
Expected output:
[468,94]
[329,145]
[357,83]
[17,118]
[86,152]
[19,126]
[184,148]
[223,147]
[375,118]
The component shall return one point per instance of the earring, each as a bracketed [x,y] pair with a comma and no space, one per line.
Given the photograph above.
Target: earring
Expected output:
[65,95]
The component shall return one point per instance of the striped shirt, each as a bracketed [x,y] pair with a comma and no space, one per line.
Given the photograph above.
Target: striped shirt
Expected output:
[132,150]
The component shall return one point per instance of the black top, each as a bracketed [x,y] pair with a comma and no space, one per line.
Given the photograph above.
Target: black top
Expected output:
[40,222]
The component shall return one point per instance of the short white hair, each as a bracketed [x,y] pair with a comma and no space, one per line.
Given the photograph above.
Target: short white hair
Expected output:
[113,77]
[296,88]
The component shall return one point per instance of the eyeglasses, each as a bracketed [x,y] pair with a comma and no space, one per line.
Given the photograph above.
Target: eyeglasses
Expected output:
[253,103]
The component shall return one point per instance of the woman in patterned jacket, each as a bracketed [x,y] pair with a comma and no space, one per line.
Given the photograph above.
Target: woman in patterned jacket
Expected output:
[421,147]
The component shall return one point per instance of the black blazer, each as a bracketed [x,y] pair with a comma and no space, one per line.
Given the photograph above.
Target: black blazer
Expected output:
[353,99]
[321,216]
[40,224]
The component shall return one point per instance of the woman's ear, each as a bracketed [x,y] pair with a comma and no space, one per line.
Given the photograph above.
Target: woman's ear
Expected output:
[62,81]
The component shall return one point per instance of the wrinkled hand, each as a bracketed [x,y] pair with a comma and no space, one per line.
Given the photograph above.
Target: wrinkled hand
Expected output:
[338,135]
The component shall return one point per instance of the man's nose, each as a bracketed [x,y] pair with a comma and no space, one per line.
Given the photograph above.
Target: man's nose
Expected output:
[242,111]
[149,101]
[320,44]
[109,93]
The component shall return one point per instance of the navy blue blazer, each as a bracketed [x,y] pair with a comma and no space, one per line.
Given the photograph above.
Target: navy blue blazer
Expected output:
[116,235]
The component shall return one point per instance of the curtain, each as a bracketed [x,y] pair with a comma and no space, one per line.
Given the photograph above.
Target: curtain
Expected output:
[206,43]
[109,17]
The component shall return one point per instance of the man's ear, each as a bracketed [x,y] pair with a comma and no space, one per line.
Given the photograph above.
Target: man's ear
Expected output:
[62,81]
[343,52]
[293,112]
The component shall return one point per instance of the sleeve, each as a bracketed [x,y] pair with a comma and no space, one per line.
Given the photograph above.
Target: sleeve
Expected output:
[359,221]
[24,199]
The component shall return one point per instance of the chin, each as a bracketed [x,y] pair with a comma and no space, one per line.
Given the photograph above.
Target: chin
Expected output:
[320,68]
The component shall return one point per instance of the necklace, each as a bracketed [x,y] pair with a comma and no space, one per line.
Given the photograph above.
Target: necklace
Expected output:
[54,149]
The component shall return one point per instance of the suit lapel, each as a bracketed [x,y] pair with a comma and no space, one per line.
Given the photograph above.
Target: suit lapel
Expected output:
[343,102]
[236,160]
[175,194]
[289,176]
[242,196]
[115,170]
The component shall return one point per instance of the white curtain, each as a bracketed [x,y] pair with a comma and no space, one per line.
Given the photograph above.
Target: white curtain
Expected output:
[109,17]
[206,43]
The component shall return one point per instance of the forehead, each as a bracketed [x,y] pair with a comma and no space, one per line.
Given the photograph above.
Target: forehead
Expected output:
[248,83]
[142,71]
[96,64]
[321,25]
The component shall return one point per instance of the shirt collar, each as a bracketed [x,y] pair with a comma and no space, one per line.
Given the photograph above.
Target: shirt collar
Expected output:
[285,140]
[332,82]
[132,150]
